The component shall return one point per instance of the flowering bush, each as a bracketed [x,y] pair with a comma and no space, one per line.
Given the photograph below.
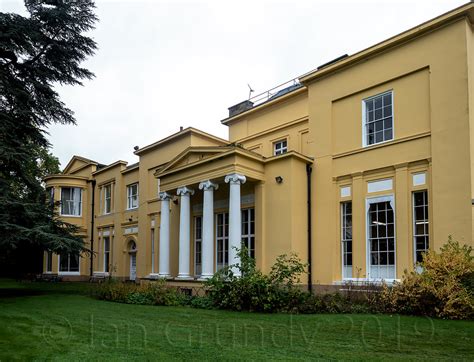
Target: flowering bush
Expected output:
[444,288]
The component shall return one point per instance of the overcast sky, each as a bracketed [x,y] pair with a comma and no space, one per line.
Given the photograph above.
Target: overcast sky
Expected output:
[165,64]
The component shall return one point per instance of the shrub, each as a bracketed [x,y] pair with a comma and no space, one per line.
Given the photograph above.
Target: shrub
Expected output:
[155,293]
[255,291]
[444,288]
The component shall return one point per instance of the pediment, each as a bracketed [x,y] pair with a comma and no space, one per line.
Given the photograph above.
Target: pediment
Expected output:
[77,163]
[192,155]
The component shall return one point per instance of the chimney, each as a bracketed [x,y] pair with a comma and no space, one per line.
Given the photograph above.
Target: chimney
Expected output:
[181,128]
[240,107]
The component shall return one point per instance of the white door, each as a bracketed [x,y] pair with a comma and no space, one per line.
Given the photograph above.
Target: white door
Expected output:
[133,266]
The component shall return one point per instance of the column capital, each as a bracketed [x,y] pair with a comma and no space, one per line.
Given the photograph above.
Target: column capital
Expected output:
[164,196]
[235,179]
[184,190]
[208,185]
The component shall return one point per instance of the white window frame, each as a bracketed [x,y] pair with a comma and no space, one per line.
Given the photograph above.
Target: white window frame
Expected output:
[49,262]
[344,240]
[425,221]
[109,198]
[373,200]
[197,240]
[279,148]
[130,196]
[224,238]
[106,266]
[69,266]
[152,250]
[247,237]
[364,119]
[73,201]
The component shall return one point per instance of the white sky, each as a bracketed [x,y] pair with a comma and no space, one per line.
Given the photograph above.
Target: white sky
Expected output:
[165,64]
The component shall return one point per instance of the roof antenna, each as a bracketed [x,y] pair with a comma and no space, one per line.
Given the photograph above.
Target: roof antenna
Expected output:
[250,90]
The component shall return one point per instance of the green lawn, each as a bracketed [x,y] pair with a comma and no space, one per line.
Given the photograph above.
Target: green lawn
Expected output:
[44,321]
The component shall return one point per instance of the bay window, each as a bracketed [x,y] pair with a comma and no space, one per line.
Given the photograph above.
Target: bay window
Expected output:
[71,201]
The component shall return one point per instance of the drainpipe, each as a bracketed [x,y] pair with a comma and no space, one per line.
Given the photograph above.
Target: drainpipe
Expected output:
[309,169]
[92,227]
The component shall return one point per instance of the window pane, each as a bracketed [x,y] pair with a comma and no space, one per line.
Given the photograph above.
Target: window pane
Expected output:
[387,111]
[370,105]
[74,263]
[63,263]
[378,102]
[387,99]
[378,137]
[371,116]
[378,114]
[379,126]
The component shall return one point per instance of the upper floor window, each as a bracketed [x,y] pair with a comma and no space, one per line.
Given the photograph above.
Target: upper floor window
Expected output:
[50,195]
[132,196]
[378,118]
[107,199]
[71,201]
[280,147]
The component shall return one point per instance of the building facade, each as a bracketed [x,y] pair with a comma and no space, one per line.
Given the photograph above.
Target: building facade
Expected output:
[358,167]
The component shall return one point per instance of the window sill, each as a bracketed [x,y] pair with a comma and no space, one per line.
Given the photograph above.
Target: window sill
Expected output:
[365,281]
[101,274]
[76,216]
[131,208]
[69,273]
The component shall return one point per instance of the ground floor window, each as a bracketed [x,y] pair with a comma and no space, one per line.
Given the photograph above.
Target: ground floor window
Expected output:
[381,238]
[346,239]
[248,231]
[49,261]
[106,254]
[222,240]
[421,237]
[198,245]
[69,263]
[152,231]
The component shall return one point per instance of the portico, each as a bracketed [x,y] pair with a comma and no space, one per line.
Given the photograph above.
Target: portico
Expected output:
[210,228]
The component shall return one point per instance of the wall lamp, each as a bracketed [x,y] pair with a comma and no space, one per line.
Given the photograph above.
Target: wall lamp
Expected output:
[279,179]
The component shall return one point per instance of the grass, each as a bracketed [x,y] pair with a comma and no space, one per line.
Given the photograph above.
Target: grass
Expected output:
[61,321]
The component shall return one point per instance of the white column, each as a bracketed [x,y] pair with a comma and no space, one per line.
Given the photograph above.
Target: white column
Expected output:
[235,223]
[164,261]
[184,231]
[207,251]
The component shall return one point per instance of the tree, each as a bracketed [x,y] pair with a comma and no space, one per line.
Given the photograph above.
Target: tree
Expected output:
[37,53]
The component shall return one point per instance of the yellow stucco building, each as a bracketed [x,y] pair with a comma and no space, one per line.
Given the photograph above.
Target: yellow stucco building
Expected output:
[358,167]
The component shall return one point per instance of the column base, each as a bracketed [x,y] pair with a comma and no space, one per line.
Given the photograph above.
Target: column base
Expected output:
[203,278]
[184,277]
[161,276]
